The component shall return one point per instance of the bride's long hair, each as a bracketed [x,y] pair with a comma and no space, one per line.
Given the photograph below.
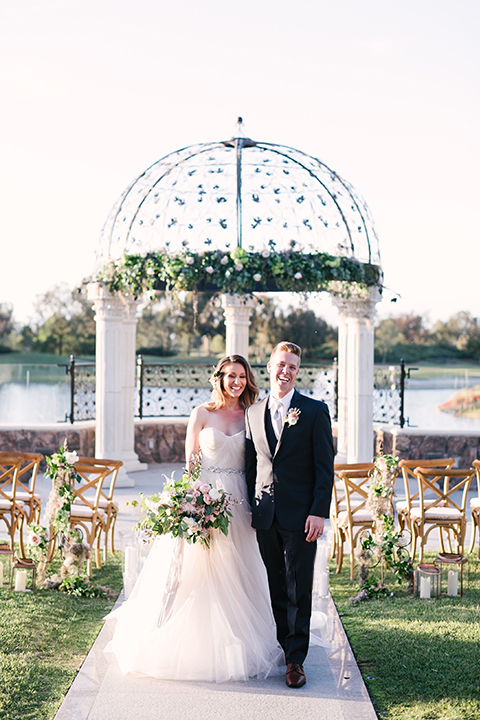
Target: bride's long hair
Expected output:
[248,396]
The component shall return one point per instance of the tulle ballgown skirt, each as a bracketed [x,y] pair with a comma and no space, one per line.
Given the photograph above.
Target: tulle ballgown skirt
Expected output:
[216,623]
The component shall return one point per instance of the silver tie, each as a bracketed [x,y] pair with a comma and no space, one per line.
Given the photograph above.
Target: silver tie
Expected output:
[278,419]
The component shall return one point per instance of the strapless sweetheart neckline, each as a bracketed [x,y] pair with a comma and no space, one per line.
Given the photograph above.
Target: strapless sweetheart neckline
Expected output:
[210,427]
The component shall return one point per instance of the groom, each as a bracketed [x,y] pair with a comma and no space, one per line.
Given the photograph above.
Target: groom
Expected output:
[289,470]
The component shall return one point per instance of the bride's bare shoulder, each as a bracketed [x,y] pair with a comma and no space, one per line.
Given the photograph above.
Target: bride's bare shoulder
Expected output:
[200,414]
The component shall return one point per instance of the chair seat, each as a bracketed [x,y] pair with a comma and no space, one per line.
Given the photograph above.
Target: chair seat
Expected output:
[475,503]
[438,513]
[362,516]
[7,504]
[84,512]
[26,496]
[402,505]
[103,503]
[342,506]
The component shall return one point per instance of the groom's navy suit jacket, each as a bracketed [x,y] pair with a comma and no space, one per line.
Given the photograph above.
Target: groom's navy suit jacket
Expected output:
[291,478]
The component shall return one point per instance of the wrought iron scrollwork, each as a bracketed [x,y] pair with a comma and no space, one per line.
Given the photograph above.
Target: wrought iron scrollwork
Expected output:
[174,390]
[389,394]
[82,390]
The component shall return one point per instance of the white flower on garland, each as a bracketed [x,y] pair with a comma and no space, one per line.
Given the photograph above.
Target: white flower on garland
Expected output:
[209,270]
[298,276]
[257,277]
[190,260]
[71,457]
[238,266]
[224,260]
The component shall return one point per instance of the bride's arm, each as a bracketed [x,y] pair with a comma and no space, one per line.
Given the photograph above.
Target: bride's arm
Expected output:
[196,422]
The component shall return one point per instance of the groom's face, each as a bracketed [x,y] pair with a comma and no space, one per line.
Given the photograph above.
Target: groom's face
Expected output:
[283,368]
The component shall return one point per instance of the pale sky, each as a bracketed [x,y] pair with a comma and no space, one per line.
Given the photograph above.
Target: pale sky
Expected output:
[385,93]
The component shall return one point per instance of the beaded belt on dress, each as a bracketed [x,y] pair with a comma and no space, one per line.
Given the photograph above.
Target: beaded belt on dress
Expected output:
[227,471]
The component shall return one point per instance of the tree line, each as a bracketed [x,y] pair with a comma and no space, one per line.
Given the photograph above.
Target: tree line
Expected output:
[64,324]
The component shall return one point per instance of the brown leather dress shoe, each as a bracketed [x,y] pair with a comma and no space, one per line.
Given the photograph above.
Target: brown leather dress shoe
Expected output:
[295,675]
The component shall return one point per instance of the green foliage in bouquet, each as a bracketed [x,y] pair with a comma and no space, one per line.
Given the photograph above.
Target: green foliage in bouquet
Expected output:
[187,508]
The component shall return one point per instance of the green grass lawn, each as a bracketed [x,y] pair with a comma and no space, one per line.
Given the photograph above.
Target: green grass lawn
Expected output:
[420,659]
[44,639]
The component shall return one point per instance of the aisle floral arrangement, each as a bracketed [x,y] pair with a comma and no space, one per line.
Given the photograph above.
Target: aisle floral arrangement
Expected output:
[62,472]
[385,547]
[188,508]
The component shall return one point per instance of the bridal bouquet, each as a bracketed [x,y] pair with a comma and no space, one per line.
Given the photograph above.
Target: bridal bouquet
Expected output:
[188,508]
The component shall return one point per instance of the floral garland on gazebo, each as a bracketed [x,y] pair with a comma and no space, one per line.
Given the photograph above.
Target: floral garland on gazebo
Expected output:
[238,271]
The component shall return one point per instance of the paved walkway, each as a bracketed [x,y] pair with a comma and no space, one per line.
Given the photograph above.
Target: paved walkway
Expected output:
[334,691]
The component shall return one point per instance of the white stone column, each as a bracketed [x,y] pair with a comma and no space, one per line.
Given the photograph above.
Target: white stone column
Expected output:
[115,379]
[356,358]
[237,310]
[341,456]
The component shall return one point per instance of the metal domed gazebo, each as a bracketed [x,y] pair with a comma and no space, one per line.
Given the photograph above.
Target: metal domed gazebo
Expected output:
[215,196]
[236,216]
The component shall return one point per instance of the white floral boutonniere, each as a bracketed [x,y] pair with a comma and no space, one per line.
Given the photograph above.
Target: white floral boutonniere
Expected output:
[291,418]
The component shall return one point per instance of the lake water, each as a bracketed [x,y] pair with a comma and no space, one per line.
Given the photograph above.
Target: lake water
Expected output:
[25,403]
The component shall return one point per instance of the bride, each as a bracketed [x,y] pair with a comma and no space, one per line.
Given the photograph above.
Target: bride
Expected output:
[200,613]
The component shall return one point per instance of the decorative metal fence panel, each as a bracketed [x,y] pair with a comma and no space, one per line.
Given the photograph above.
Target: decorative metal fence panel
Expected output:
[174,390]
[389,394]
[171,390]
[82,390]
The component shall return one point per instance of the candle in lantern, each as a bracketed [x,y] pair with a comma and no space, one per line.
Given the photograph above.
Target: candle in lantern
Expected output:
[425,588]
[322,557]
[452,582]
[21,580]
[323,584]
[130,560]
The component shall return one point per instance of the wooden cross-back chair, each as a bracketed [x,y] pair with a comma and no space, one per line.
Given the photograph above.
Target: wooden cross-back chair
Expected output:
[11,510]
[438,508]
[475,508]
[27,477]
[339,505]
[106,502]
[85,510]
[410,484]
[357,516]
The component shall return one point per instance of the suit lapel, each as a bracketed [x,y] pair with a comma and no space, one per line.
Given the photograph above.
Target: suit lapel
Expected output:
[260,409]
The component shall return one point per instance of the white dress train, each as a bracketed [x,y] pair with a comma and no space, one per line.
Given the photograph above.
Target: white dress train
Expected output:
[216,623]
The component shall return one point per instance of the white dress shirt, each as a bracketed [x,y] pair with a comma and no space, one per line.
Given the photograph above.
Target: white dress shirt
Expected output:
[283,405]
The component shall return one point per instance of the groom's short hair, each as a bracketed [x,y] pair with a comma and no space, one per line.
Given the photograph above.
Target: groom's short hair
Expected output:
[287,347]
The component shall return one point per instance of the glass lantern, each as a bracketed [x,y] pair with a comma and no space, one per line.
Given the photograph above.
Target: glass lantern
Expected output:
[130,563]
[427,581]
[6,561]
[20,575]
[320,578]
[451,566]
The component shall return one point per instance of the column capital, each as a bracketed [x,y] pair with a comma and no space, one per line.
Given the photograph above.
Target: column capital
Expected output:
[112,306]
[360,303]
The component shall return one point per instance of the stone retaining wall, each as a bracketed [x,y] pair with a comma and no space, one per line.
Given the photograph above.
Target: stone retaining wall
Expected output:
[162,440]
[411,443]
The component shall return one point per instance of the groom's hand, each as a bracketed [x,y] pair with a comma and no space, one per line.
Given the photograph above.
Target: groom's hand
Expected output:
[314,527]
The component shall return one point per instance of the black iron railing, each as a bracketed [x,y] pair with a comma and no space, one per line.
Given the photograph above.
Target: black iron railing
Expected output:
[166,389]
[389,394]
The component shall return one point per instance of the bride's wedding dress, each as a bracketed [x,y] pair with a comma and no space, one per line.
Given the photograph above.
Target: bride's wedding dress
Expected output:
[208,616]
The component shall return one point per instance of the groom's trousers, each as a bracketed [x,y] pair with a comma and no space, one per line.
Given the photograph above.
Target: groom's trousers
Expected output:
[289,560]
